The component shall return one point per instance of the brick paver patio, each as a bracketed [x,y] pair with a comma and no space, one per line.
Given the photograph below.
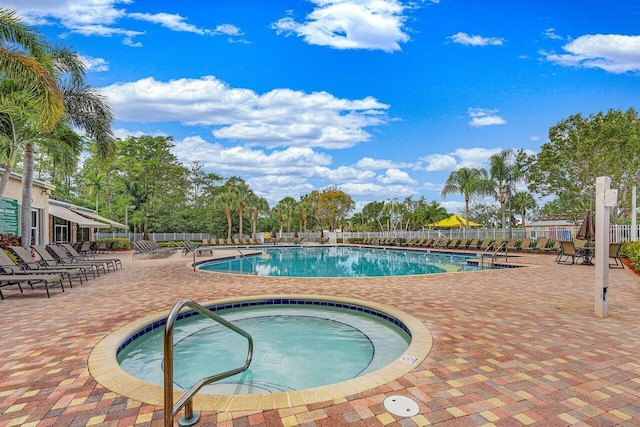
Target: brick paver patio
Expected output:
[510,347]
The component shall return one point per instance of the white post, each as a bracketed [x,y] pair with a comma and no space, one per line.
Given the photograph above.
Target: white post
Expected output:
[634,214]
[605,198]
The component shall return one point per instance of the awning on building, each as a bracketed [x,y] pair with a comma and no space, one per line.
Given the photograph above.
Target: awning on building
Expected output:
[67,215]
[113,224]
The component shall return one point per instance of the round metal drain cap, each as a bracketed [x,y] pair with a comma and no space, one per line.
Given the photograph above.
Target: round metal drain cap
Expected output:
[401,406]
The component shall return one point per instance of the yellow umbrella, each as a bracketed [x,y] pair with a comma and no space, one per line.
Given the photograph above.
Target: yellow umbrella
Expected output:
[454,221]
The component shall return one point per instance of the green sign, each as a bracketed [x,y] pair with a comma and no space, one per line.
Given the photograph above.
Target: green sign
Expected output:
[8,216]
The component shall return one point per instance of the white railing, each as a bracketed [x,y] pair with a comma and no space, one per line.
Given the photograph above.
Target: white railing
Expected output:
[618,233]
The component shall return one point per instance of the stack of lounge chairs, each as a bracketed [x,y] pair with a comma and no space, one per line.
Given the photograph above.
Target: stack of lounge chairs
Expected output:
[152,249]
[57,265]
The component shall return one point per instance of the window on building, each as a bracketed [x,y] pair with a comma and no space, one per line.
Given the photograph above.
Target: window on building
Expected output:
[61,231]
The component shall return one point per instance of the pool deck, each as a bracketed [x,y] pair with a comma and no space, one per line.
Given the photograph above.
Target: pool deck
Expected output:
[510,347]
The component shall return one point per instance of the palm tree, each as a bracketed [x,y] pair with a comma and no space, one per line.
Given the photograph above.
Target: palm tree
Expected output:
[256,205]
[523,201]
[23,61]
[287,206]
[84,107]
[469,182]
[304,211]
[226,202]
[503,174]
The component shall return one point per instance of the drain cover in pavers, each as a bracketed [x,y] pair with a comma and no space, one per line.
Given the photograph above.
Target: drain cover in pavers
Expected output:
[401,406]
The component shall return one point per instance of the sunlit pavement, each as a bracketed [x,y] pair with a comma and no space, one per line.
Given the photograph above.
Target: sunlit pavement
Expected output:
[510,347]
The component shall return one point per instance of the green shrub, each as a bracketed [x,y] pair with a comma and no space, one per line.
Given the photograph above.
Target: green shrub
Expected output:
[631,251]
[118,242]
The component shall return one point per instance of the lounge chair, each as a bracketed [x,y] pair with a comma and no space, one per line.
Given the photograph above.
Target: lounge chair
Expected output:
[484,244]
[425,243]
[526,243]
[189,248]
[614,252]
[540,244]
[61,255]
[10,267]
[31,279]
[472,244]
[48,258]
[29,262]
[553,249]
[496,245]
[453,244]
[568,250]
[116,262]
[511,245]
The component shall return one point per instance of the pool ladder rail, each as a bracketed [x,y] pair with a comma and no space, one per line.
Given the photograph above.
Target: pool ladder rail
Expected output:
[170,410]
[493,252]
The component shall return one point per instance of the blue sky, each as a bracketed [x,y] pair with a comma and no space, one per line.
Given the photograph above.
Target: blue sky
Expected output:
[383,98]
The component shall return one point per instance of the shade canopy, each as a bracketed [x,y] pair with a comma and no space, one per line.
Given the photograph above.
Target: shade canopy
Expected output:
[587,228]
[70,216]
[114,224]
[454,221]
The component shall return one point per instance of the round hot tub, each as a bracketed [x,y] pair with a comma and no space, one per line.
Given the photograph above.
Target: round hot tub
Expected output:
[306,349]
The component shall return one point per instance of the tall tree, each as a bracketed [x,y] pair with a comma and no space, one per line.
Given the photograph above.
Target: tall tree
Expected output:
[333,205]
[579,150]
[469,182]
[523,201]
[84,108]
[503,173]
[287,207]
[24,62]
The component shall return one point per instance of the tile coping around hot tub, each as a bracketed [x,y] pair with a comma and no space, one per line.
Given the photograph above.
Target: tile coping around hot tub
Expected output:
[106,370]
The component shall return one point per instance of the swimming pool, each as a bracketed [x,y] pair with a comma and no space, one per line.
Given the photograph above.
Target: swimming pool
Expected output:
[296,346]
[342,261]
[105,369]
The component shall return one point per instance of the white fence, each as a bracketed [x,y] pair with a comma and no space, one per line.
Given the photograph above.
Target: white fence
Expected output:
[618,233]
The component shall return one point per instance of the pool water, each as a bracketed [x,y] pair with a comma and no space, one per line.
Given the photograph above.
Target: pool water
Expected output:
[294,348]
[342,261]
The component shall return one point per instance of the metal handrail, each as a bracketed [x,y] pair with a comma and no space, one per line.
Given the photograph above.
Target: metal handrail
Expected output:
[191,418]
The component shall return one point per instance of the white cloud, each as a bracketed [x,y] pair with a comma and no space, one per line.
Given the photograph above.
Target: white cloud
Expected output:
[101,18]
[94,64]
[462,157]
[474,157]
[430,186]
[534,138]
[375,164]
[228,29]
[550,33]
[351,24]
[173,22]
[281,117]
[469,40]
[396,176]
[484,117]
[613,53]
[439,162]
[378,191]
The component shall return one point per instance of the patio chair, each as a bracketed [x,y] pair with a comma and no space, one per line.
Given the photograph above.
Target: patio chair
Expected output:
[510,246]
[614,252]
[472,244]
[568,250]
[541,243]
[75,255]
[553,249]
[526,243]
[8,266]
[18,280]
[48,258]
[29,262]
[453,244]
[484,244]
